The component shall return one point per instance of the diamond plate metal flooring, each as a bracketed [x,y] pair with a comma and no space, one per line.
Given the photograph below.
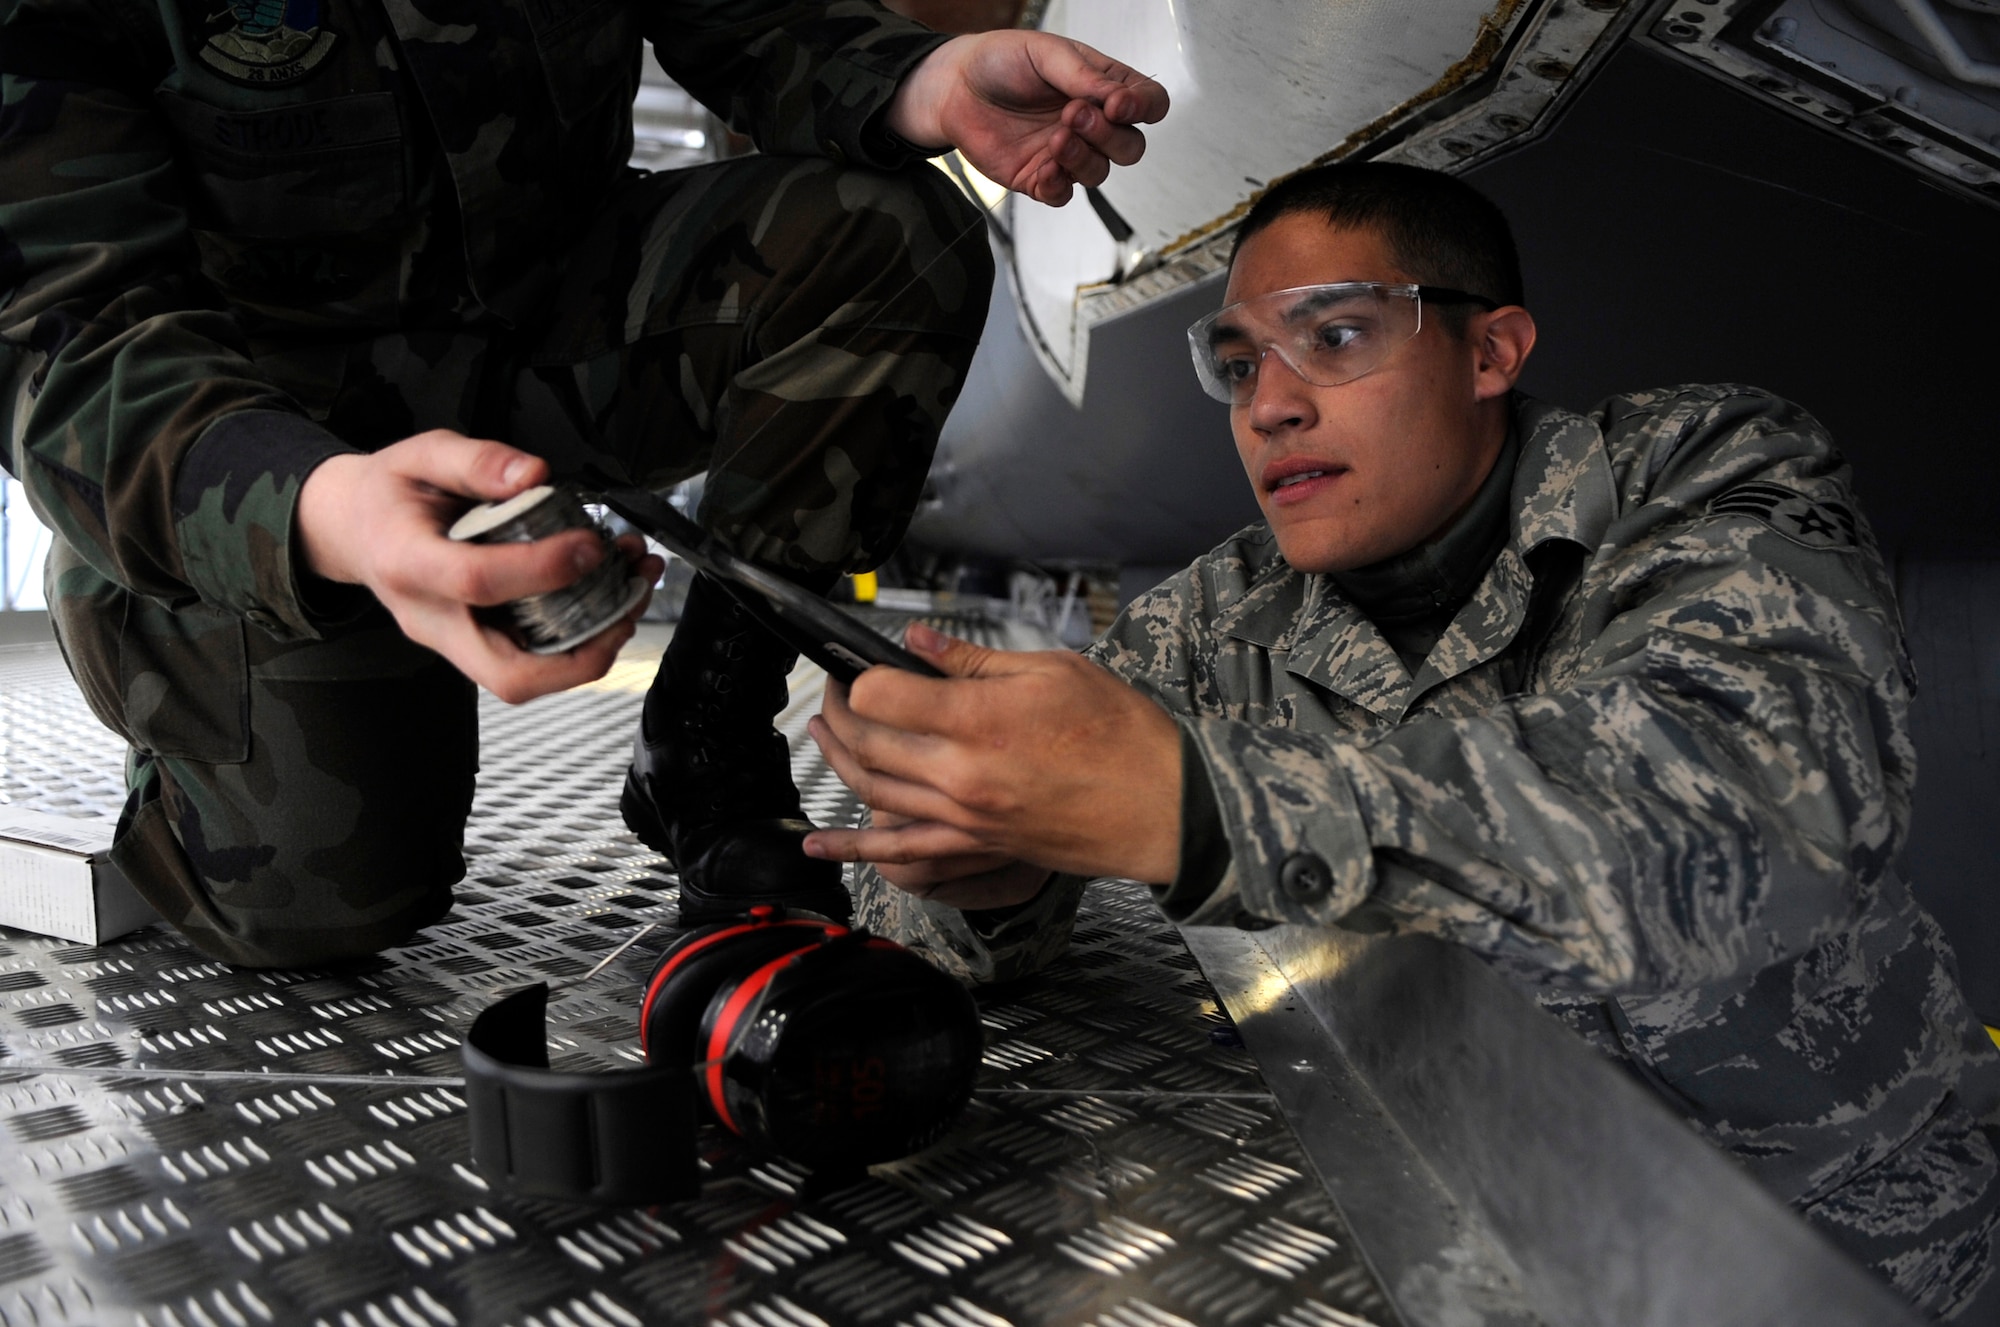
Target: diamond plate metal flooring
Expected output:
[188,1145]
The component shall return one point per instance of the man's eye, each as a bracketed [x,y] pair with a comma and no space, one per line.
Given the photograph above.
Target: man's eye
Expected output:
[1340,336]
[1237,368]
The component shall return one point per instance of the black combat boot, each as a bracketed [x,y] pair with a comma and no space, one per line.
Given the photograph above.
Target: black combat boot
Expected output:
[711,779]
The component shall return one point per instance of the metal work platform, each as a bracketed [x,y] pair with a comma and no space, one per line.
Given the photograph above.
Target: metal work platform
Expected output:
[190,1145]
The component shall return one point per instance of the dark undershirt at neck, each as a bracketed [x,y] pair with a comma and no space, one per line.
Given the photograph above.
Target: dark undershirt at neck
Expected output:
[1412,597]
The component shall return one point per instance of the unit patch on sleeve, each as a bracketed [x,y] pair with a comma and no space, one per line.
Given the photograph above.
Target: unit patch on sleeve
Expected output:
[1813,522]
[267,42]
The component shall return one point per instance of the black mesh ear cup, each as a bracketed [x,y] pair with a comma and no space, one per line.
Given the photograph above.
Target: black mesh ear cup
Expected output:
[849,1052]
[694,967]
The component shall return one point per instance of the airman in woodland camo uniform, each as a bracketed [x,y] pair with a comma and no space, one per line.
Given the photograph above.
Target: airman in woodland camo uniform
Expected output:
[1633,727]
[264,266]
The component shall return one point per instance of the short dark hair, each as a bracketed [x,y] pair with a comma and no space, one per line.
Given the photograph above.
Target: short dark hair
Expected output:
[1441,230]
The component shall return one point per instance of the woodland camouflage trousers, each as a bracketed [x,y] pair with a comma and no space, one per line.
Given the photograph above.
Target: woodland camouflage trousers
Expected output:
[796,330]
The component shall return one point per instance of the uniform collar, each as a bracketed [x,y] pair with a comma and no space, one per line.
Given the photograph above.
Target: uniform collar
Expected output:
[1563,490]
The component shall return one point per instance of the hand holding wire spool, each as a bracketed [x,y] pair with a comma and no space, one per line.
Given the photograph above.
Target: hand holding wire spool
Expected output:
[565,618]
[377,520]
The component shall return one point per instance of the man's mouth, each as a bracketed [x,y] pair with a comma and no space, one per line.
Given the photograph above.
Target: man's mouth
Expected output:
[1297,479]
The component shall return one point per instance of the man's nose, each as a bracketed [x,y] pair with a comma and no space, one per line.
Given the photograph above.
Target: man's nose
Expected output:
[1281,398]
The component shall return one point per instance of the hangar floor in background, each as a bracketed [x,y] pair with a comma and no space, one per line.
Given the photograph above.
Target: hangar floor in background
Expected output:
[195,1145]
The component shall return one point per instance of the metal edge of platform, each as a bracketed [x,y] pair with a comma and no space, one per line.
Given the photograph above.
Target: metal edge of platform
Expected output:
[1434,1097]
[1435,1258]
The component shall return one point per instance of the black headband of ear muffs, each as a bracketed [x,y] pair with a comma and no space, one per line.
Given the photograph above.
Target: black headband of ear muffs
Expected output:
[625,1137]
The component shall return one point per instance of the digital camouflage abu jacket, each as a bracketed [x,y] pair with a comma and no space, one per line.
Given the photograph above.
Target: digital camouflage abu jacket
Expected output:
[203,203]
[1657,772]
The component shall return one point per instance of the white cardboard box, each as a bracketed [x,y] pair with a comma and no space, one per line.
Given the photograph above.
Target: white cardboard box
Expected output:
[56,878]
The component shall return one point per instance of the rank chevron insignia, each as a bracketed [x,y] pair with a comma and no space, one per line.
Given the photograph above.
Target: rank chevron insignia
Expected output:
[1813,522]
[267,42]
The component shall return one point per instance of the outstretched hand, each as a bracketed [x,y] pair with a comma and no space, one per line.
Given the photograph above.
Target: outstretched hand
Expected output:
[894,846]
[1034,111]
[379,519]
[1013,758]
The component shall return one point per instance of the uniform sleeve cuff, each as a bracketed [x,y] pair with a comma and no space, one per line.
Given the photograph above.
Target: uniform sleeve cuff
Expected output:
[877,71]
[1204,855]
[235,496]
[1298,847]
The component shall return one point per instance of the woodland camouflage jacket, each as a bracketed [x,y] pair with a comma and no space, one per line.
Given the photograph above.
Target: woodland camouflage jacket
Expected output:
[203,202]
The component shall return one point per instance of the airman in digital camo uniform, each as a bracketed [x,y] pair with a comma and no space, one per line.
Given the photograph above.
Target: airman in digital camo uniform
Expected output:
[1618,700]
[275,274]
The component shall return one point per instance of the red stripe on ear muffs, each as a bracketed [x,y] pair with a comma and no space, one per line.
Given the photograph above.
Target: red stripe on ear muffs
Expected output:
[739,1000]
[707,942]
[673,965]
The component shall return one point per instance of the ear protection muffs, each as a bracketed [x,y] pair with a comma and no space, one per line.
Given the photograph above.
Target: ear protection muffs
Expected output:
[822,1044]
[829,1046]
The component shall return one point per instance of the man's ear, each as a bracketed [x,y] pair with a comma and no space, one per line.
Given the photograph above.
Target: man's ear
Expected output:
[1503,340]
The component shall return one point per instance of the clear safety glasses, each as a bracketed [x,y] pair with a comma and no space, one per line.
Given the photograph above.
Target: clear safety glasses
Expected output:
[1327,335]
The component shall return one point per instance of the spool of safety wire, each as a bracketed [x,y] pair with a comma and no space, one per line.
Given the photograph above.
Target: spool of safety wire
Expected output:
[561,619]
